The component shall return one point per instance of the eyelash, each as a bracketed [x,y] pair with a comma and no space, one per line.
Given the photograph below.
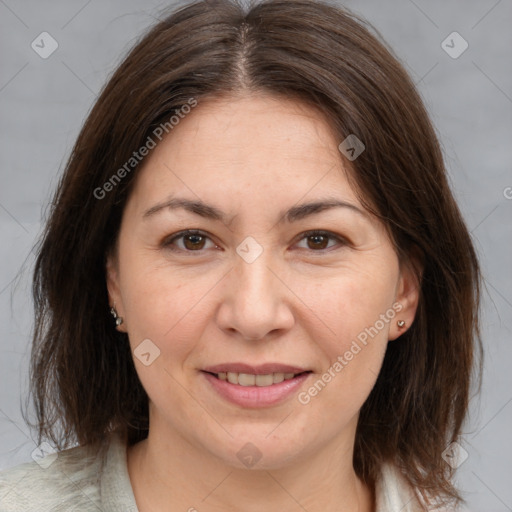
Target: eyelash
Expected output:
[167,243]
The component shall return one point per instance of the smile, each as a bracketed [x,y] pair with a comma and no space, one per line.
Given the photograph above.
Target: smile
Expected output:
[247,379]
[255,390]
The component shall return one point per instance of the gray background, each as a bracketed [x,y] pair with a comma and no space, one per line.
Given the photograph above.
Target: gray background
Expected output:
[43,103]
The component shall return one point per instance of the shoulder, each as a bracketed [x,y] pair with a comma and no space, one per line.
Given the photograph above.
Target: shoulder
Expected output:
[62,481]
[394,493]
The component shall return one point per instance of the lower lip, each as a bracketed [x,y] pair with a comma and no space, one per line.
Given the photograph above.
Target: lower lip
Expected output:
[256,396]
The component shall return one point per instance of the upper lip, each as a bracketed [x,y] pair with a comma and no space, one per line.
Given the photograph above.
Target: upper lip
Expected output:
[262,369]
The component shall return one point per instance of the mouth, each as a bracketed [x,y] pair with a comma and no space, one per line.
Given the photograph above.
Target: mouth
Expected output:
[260,380]
[251,386]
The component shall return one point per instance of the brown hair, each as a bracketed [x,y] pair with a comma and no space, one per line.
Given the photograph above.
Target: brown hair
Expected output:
[82,374]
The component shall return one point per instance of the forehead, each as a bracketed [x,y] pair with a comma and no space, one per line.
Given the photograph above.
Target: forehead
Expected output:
[241,125]
[246,147]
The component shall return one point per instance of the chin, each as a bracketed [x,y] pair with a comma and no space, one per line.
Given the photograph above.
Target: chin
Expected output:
[255,449]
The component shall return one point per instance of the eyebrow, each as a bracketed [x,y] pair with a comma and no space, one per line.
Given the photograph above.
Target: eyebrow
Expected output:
[293,214]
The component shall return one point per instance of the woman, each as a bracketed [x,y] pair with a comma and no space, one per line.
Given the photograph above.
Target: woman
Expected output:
[255,290]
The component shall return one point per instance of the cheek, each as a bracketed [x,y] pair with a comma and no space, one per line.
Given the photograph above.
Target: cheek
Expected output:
[358,308]
[166,310]
[165,306]
[350,304]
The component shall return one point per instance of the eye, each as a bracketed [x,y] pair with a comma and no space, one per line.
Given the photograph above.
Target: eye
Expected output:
[194,240]
[318,240]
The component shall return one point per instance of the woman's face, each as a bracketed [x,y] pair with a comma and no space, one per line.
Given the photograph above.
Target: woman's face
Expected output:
[251,287]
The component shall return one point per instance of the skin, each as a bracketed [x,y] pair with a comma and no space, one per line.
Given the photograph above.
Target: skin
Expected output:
[301,302]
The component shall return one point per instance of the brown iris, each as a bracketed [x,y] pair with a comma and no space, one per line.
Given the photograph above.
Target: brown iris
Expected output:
[318,238]
[193,241]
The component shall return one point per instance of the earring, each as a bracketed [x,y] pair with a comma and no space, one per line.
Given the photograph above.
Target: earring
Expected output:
[118,319]
[400,323]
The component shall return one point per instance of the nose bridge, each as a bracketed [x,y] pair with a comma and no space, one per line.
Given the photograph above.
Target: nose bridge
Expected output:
[256,304]
[255,281]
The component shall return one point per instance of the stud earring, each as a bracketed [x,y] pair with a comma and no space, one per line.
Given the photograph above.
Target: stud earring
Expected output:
[118,319]
[400,323]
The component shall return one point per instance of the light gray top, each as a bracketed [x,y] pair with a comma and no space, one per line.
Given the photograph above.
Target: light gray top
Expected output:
[77,480]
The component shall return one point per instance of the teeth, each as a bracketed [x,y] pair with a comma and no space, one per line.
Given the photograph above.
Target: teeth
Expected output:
[246,379]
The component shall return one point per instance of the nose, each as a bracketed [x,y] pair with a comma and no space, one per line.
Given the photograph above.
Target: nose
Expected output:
[256,302]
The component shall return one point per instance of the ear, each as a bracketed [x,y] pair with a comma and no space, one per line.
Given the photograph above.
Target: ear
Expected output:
[407,294]
[113,287]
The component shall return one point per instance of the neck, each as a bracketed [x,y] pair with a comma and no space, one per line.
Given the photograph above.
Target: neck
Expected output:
[170,475]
